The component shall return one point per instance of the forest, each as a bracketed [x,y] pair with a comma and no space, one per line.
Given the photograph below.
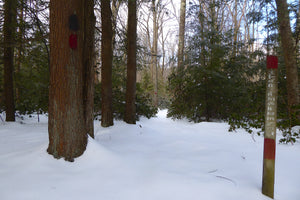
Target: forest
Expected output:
[149,99]
[120,60]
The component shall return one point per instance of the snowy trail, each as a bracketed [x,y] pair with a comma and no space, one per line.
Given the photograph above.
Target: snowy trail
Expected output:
[155,159]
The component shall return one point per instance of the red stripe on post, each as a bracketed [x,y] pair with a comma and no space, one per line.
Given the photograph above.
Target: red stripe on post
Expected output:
[269,149]
[272,62]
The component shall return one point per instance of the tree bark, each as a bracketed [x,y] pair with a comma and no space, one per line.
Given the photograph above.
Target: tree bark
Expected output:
[288,48]
[67,132]
[181,33]
[235,28]
[20,49]
[9,30]
[106,70]
[154,53]
[88,64]
[115,10]
[130,110]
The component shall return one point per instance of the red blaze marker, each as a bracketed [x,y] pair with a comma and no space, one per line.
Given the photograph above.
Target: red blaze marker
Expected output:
[73,41]
[272,62]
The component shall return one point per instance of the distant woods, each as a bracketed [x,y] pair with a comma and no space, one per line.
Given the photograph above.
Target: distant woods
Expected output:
[223,77]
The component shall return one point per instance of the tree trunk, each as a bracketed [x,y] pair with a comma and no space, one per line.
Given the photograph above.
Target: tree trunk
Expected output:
[9,30]
[67,132]
[154,53]
[88,65]
[297,31]
[235,29]
[181,33]
[130,111]
[106,70]
[288,48]
[115,10]
[20,49]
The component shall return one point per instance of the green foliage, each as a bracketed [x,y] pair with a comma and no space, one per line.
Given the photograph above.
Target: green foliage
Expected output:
[218,82]
[31,64]
[226,81]
[32,81]
[143,101]
[288,127]
[144,105]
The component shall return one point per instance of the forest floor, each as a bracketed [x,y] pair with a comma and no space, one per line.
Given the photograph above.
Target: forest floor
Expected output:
[156,159]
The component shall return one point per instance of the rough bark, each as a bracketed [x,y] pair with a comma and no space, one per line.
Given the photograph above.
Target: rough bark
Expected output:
[9,30]
[130,110]
[106,69]
[88,64]
[288,48]
[67,132]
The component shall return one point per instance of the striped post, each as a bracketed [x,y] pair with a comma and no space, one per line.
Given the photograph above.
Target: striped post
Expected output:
[270,127]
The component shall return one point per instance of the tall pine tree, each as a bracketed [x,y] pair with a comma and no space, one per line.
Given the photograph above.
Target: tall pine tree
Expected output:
[130,111]
[9,29]
[106,69]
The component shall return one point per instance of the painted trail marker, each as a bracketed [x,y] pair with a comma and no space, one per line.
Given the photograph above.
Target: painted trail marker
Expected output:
[270,127]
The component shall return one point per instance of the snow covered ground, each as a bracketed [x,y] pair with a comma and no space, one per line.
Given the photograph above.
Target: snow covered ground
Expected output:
[156,159]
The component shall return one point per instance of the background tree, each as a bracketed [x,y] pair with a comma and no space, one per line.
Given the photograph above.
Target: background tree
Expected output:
[9,30]
[32,57]
[106,69]
[289,49]
[181,34]
[220,86]
[88,65]
[130,111]
[153,18]
[154,52]
[119,64]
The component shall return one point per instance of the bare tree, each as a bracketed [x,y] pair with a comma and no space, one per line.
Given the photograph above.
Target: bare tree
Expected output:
[152,29]
[181,33]
[154,51]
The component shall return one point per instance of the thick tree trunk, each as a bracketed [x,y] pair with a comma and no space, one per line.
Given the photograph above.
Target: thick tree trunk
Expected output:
[88,65]
[67,132]
[288,48]
[130,111]
[106,69]
[9,30]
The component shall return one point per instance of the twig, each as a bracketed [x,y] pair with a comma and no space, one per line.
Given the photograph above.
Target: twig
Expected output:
[228,179]
[1,118]
[252,135]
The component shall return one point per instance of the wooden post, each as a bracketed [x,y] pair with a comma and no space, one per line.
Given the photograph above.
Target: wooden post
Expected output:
[270,127]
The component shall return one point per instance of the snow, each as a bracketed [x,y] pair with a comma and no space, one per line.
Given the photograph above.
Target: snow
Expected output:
[156,159]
